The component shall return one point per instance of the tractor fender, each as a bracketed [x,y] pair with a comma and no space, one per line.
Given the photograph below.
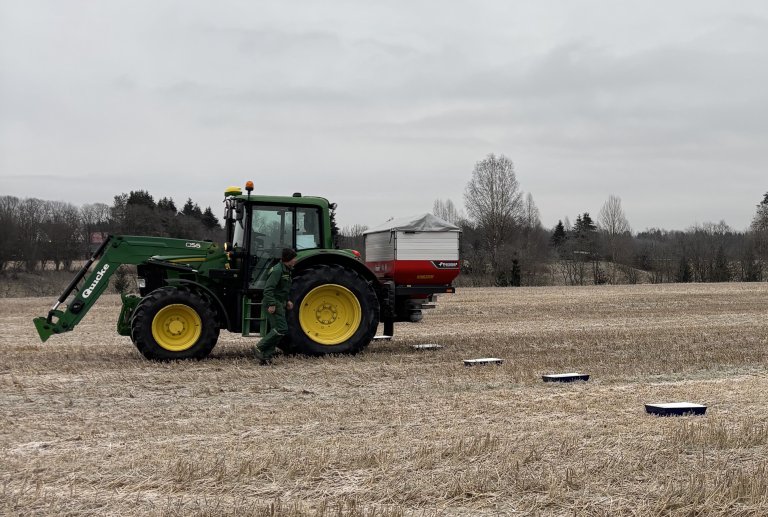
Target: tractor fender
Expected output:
[210,294]
[384,291]
[332,257]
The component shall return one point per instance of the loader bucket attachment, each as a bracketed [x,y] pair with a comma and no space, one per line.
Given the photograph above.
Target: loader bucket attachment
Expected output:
[44,328]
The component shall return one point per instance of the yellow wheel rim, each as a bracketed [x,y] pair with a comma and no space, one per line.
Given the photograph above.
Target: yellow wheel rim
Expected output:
[176,327]
[330,314]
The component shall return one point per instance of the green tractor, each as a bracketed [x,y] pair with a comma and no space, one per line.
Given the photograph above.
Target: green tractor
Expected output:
[190,290]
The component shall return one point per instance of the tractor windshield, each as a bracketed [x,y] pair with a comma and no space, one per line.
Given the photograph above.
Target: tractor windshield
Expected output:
[271,230]
[276,227]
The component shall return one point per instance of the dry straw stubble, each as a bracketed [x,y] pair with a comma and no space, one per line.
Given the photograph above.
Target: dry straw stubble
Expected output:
[88,426]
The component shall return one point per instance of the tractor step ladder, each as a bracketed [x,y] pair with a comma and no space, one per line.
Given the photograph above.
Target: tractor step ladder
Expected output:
[249,304]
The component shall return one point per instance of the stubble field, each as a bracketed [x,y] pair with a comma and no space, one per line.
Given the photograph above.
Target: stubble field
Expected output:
[87,426]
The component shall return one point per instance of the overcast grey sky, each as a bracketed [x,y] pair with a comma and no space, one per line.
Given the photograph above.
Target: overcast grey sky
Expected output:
[383,107]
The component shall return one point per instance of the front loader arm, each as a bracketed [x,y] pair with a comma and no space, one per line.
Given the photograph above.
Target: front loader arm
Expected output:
[114,252]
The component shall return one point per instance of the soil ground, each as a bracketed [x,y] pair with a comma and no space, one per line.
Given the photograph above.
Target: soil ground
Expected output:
[87,426]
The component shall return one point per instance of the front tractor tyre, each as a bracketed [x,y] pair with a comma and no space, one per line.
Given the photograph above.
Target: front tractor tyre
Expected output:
[335,312]
[171,323]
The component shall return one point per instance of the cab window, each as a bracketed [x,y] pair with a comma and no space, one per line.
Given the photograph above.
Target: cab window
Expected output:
[307,228]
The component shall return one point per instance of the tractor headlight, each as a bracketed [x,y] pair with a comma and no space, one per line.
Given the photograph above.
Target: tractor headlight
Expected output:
[141,282]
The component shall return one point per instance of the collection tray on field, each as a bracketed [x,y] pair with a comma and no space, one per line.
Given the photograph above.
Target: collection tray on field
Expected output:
[675,409]
[483,360]
[382,338]
[565,377]
[427,346]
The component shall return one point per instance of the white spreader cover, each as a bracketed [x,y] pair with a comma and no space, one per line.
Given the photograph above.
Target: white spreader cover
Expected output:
[416,223]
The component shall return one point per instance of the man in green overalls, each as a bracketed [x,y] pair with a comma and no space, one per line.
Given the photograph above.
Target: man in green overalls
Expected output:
[276,301]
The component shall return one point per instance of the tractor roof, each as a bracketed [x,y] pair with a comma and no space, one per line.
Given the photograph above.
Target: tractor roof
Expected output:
[285,200]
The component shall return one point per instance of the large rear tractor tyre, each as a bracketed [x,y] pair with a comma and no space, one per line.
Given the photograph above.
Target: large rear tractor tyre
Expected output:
[335,312]
[171,323]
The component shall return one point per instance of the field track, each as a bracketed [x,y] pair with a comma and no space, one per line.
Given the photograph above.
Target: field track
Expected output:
[87,426]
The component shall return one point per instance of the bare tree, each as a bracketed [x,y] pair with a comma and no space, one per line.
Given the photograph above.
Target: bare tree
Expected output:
[494,201]
[356,230]
[447,211]
[760,221]
[9,229]
[352,237]
[31,217]
[750,267]
[705,247]
[612,218]
[531,219]
[533,243]
[60,233]
[613,225]
[93,218]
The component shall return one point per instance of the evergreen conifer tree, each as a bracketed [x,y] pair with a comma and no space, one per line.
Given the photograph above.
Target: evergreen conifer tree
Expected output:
[140,198]
[209,220]
[334,228]
[192,209]
[588,225]
[167,205]
[558,236]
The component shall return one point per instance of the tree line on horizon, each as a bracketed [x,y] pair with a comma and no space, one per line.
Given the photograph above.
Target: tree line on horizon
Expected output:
[36,234]
[503,242]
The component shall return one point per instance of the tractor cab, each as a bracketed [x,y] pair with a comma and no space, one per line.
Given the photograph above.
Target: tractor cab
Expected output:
[259,227]
[332,318]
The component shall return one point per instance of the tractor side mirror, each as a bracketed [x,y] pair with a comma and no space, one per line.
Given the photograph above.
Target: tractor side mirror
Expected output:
[239,212]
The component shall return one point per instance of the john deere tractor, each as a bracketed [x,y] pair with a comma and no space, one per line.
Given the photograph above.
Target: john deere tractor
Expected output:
[190,290]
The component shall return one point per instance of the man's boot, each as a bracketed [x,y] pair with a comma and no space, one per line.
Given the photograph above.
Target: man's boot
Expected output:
[260,357]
